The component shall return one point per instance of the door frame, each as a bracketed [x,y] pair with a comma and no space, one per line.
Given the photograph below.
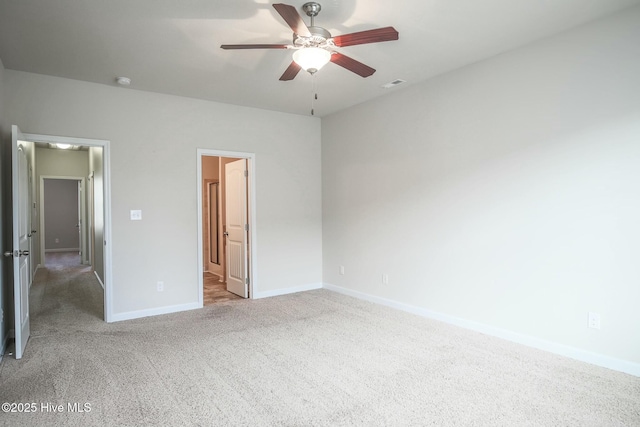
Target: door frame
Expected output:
[252,274]
[106,170]
[83,216]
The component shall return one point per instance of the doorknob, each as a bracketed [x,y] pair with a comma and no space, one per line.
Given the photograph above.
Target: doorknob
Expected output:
[24,253]
[225,234]
[8,253]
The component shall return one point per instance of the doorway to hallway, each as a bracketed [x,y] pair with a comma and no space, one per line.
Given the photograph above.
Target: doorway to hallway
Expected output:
[225,226]
[83,163]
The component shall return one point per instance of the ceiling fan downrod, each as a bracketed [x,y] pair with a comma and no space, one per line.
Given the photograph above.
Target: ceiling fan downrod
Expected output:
[312,9]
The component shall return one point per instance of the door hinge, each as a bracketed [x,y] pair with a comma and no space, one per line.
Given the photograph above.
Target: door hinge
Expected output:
[246,280]
[246,173]
[246,227]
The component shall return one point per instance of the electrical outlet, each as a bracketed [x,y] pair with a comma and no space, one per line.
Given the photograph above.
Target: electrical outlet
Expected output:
[342,270]
[135,215]
[385,279]
[594,320]
[160,286]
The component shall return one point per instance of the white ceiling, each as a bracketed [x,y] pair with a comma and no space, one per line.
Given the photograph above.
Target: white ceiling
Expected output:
[173,46]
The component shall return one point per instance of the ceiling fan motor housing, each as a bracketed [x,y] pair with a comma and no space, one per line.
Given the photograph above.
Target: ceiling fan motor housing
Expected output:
[319,38]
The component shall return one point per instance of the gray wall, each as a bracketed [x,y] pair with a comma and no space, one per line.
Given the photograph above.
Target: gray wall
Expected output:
[153,159]
[61,215]
[505,193]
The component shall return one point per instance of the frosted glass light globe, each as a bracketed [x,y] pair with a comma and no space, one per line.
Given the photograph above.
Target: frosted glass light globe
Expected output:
[311,59]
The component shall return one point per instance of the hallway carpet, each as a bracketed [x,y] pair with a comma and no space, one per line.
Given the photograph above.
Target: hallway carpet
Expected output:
[309,359]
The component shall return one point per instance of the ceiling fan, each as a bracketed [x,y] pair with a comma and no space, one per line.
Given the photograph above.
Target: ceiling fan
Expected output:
[314,46]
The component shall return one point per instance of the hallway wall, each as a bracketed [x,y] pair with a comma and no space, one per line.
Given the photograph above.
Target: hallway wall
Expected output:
[60,213]
[55,162]
[96,159]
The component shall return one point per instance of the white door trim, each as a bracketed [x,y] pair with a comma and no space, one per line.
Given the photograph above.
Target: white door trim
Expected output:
[253,241]
[83,219]
[106,164]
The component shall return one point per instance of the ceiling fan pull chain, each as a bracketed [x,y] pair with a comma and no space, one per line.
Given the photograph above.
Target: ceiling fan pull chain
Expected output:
[314,92]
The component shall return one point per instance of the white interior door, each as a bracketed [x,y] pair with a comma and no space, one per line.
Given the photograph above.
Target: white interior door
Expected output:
[236,232]
[20,189]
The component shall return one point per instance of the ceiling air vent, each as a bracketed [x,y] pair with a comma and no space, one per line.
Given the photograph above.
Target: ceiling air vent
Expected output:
[394,83]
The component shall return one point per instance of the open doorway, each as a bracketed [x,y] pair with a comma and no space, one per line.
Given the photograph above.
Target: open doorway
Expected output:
[225,225]
[73,206]
[63,232]
[25,251]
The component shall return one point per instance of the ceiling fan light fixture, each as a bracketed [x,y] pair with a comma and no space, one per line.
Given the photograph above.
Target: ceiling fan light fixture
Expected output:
[311,59]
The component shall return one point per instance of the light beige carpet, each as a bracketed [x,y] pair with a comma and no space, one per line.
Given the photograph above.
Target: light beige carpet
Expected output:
[310,359]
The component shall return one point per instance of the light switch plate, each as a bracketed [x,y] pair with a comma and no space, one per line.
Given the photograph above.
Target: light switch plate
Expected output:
[594,320]
[136,215]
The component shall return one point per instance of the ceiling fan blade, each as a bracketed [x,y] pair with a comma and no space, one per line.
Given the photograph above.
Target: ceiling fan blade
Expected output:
[255,46]
[292,18]
[352,65]
[291,72]
[370,36]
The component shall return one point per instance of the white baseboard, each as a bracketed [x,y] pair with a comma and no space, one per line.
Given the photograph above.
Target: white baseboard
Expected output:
[98,277]
[285,291]
[192,306]
[561,349]
[117,317]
